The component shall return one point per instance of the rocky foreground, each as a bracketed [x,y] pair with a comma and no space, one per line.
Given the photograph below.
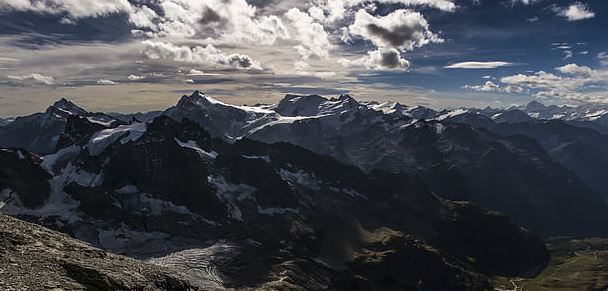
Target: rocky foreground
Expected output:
[35,258]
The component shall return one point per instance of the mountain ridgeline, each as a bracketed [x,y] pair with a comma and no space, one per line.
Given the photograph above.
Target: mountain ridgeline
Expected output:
[312,193]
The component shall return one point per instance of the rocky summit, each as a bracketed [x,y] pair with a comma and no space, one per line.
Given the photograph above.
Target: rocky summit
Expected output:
[36,258]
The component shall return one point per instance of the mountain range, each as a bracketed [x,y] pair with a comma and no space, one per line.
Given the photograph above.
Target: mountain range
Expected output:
[314,193]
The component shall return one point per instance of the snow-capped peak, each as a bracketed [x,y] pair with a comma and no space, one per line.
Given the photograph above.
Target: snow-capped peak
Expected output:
[202,101]
[298,105]
[64,107]
[199,99]
[389,107]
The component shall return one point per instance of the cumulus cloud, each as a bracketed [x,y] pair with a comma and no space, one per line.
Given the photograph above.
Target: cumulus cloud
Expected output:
[381,59]
[479,65]
[335,10]
[490,86]
[231,21]
[398,32]
[578,83]
[487,87]
[207,55]
[401,29]
[312,35]
[33,79]
[75,9]
[575,12]
[106,82]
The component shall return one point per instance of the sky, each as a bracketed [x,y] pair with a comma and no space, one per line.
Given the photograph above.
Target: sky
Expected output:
[140,55]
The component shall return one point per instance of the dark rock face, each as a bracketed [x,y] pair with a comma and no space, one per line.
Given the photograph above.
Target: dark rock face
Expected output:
[156,164]
[513,175]
[37,133]
[20,172]
[465,154]
[78,130]
[583,151]
[36,258]
[294,218]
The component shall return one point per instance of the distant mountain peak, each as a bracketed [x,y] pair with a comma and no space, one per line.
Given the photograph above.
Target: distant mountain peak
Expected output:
[534,105]
[197,98]
[65,107]
[300,105]
[345,97]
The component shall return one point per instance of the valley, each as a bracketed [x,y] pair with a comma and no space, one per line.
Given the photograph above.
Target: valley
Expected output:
[576,264]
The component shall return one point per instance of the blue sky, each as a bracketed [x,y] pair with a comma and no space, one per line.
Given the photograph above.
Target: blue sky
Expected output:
[137,55]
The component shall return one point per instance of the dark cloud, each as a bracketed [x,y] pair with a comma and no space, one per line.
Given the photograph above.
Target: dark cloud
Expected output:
[397,36]
[211,17]
[241,61]
[390,59]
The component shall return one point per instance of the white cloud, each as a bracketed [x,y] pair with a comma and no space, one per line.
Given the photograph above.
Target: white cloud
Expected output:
[314,40]
[524,2]
[207,55]
[230,21]
[490,86]
[335,10]
[380,59]
[575,12]
[479,65]
[135,77]
[487,87]
[34,79]
[195,72]
[533,19]
[603,57]
[75,9]
[106,82]
[578,83]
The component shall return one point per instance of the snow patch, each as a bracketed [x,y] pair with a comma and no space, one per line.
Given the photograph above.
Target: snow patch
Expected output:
[453,113]
[59,203]
[276,210]
[230,194]
[49,161]
[439,128]
[194,146]
[72,174]
[101,120]
[300,178]
[265,158]
[126,133]
[128,189]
